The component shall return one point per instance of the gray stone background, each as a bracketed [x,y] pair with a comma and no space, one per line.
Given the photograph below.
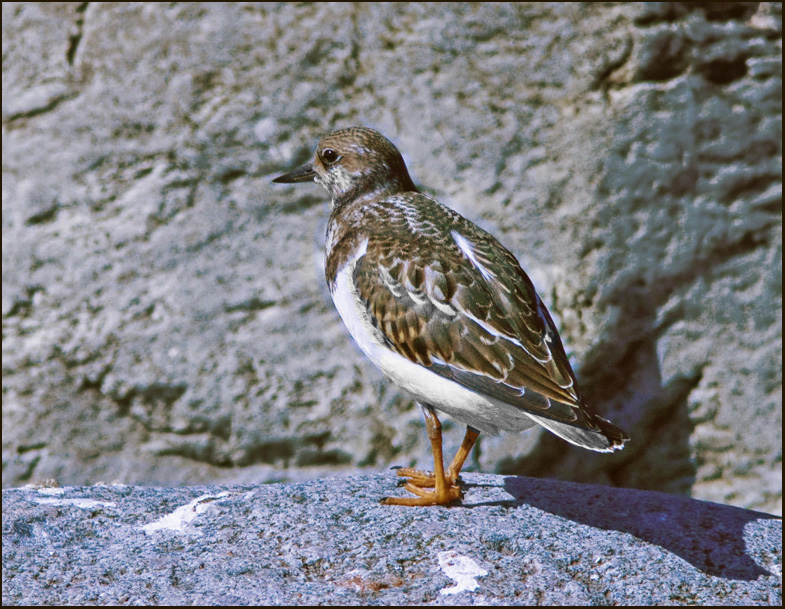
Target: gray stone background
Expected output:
[165,318]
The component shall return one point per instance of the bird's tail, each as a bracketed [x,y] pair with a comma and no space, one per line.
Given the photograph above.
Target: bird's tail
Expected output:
[600,435]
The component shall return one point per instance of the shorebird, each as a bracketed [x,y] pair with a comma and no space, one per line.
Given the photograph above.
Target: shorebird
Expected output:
[443,310]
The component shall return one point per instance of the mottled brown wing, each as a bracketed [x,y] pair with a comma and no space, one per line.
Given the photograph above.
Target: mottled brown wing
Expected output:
[490,333]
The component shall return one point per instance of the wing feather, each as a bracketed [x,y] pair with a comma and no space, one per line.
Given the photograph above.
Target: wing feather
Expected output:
[485,329]
[439,311]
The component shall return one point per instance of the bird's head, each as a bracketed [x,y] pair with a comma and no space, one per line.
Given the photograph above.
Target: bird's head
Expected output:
[354,162]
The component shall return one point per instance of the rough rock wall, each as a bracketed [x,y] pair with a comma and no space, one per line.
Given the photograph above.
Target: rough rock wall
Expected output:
[165,318]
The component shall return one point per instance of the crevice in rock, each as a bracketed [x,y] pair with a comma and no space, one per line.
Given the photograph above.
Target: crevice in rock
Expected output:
[76,37]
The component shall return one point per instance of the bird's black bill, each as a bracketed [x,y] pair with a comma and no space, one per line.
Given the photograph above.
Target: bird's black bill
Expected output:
[303,174]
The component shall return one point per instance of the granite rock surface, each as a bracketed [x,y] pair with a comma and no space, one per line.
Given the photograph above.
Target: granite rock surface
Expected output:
[512,540]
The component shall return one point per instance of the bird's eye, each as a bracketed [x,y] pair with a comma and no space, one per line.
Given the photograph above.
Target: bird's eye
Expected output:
[329,155]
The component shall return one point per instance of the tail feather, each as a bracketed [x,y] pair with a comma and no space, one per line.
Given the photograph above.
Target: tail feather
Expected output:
[606,437]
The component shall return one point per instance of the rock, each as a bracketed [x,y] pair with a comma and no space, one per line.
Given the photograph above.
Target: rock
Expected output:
[165,318]
[512,541]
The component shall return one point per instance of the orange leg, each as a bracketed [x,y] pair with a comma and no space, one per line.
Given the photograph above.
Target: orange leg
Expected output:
[427,479]
[444,484]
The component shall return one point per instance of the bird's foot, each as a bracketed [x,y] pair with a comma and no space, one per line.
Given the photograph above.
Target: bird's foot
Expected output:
[418,477]
[452,492]
[423,484]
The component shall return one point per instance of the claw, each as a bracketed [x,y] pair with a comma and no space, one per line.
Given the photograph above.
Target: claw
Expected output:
[418,477]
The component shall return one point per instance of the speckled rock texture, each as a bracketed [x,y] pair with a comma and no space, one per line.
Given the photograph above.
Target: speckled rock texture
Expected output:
[165,316]
[513,540]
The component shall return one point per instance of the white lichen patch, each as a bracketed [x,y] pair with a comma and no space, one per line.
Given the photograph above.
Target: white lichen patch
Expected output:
[80,502]
[51,490]
[180,520]
[462,569]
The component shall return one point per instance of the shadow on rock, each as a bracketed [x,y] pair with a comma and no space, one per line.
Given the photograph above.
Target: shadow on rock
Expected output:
[707,535]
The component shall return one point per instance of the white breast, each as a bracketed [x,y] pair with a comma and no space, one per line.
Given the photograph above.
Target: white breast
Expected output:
[483,413]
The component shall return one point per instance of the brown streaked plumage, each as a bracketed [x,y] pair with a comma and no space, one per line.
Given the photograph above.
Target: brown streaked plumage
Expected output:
[443,309]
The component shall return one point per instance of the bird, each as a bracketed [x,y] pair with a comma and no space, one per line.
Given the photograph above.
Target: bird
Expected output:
[443,309]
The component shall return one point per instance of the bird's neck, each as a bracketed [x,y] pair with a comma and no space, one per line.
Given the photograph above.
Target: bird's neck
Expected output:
[364,193]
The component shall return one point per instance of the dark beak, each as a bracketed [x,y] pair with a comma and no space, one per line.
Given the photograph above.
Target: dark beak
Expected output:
[303,174]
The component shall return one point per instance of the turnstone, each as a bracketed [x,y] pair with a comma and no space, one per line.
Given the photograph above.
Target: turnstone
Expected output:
[443,310]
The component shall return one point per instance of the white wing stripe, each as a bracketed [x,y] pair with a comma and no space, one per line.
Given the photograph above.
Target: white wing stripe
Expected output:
[468,251]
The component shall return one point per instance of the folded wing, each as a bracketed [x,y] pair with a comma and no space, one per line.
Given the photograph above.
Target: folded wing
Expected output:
[480,324]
